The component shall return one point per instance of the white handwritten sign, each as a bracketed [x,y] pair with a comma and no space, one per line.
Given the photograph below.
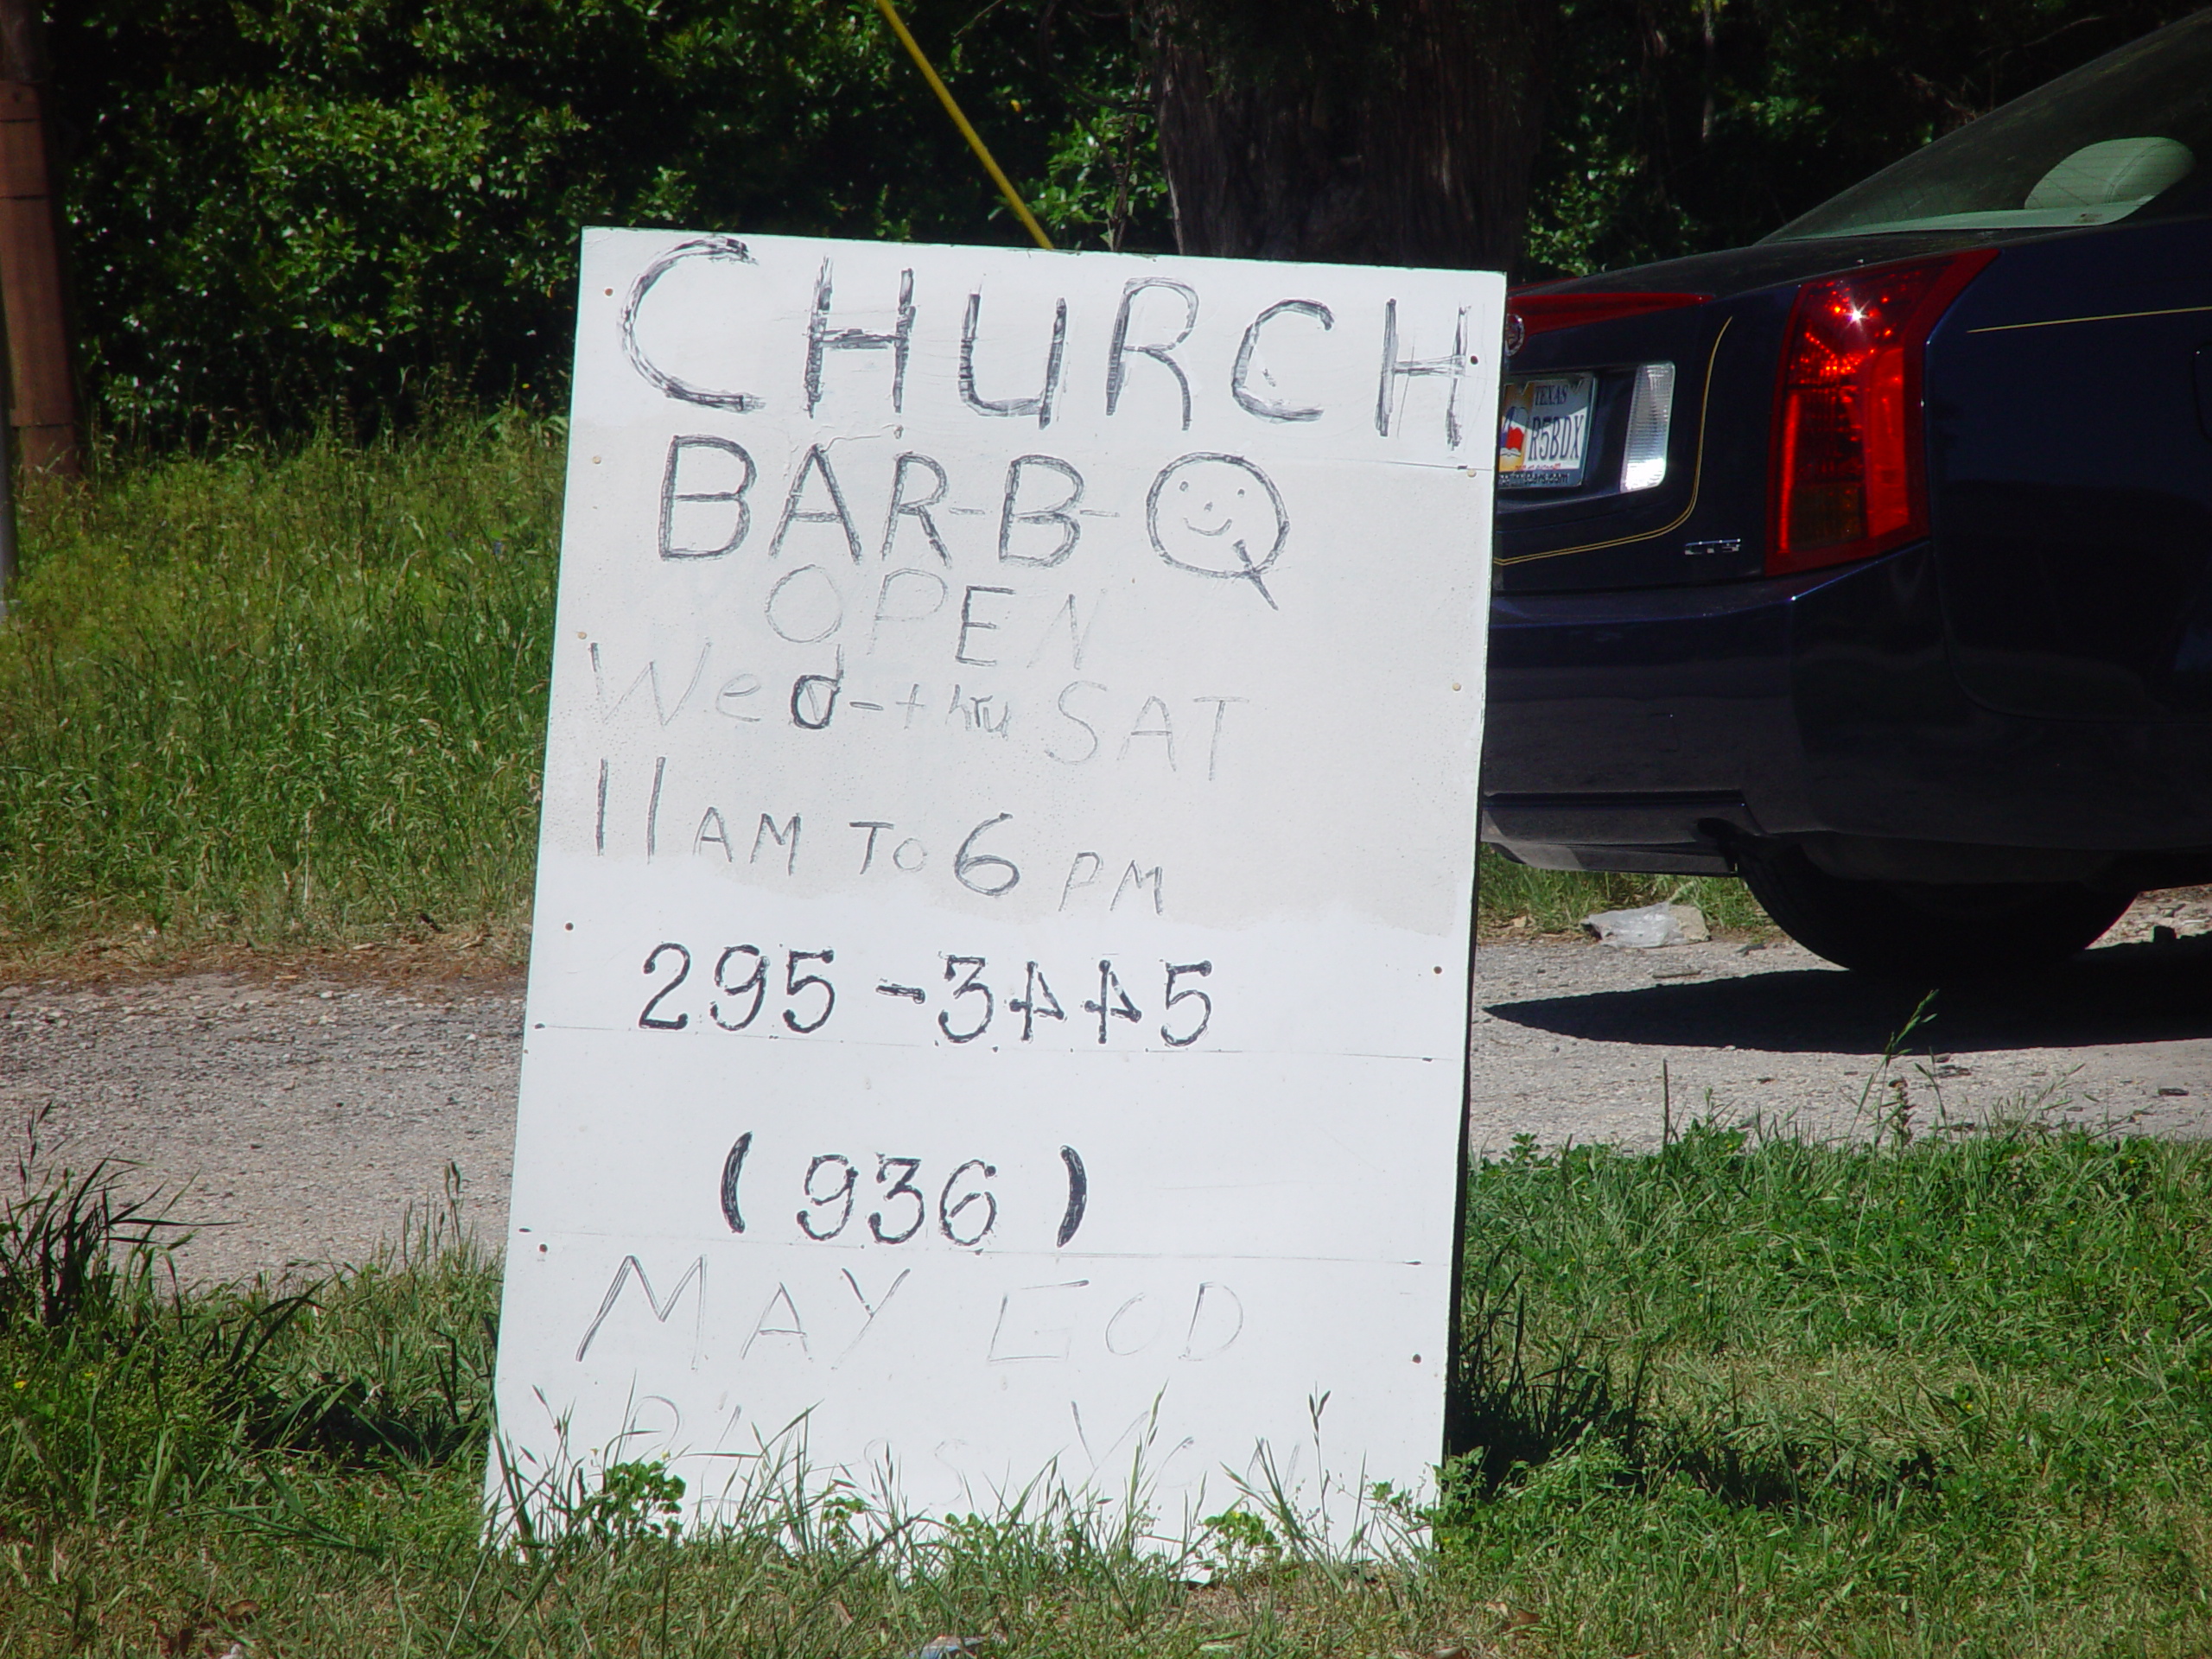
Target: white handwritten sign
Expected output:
[998,1001]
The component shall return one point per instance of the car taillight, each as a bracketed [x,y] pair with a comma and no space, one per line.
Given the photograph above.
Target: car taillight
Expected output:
[1849,464]
[1539,313]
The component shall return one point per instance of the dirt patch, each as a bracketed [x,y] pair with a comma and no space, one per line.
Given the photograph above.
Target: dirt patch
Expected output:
[488,957]
[292,1116]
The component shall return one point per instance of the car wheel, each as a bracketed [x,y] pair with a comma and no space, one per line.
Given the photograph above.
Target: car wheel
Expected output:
[1929,931]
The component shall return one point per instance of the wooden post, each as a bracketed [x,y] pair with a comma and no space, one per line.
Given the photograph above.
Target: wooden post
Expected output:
[7,490]
[43,397]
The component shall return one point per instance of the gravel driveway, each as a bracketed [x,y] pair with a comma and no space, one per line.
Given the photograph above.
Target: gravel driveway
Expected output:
[299,1117]
[296,1119]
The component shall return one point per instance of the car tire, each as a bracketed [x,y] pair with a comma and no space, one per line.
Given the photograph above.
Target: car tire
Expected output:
[1928,932]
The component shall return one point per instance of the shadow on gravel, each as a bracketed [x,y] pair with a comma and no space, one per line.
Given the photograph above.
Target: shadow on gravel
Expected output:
[2115,994]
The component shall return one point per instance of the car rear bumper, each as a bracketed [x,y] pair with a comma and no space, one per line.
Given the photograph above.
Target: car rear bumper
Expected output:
[1660,730]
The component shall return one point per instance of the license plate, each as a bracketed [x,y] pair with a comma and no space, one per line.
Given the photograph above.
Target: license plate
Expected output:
[1543,433]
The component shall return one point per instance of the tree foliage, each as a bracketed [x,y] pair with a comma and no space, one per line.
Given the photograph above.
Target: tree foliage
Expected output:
[279,205]
[1677,126]
[276,207]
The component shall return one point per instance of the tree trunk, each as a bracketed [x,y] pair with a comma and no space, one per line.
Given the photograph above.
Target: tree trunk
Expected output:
[1372,131]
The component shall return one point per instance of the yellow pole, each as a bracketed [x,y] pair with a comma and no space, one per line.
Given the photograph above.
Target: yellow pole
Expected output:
[975,139]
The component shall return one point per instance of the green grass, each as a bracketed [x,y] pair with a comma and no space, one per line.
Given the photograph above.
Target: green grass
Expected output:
[1944,1398]
[266,696]
[1737,1397]
[1515,899]
[295,696]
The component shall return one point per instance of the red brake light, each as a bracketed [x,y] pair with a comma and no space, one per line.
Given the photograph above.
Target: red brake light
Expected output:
[1850,468]
[1539,313]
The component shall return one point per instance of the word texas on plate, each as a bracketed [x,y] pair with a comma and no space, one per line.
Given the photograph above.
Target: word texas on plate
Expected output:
[998,1008]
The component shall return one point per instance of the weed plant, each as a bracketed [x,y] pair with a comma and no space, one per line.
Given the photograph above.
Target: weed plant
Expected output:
[1746,1395]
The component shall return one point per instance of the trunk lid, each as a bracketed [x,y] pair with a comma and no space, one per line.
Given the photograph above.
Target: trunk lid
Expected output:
[1706,520]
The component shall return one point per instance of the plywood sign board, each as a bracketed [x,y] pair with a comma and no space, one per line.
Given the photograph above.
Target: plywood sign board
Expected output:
[999,995]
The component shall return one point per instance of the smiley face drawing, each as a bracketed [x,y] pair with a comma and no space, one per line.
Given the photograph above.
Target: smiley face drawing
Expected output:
[1218,516]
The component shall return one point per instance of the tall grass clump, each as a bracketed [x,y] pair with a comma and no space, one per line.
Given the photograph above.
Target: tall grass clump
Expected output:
[274,694]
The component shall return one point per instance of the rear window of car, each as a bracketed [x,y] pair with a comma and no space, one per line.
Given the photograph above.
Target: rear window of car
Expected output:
[2089,147]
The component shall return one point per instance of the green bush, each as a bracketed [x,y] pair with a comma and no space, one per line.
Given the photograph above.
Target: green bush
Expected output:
[281,206]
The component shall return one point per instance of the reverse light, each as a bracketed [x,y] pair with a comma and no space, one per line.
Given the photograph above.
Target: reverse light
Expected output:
[1849,462]
[1650,412]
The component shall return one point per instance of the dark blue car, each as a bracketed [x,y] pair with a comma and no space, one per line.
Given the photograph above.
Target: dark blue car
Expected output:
[1873,562]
